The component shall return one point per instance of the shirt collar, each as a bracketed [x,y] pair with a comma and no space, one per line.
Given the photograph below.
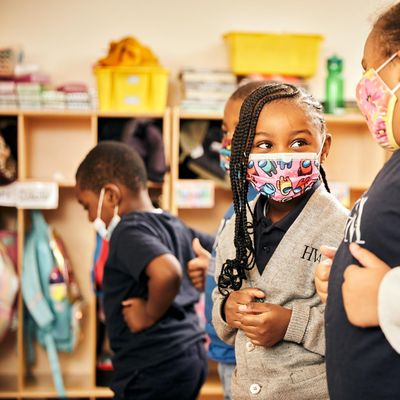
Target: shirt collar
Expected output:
[285,223]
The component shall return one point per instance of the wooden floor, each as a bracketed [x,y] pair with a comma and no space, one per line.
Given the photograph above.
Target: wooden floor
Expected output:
[212,389]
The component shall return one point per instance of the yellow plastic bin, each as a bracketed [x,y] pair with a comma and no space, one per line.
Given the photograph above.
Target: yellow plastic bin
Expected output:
[270,53]
[132,89]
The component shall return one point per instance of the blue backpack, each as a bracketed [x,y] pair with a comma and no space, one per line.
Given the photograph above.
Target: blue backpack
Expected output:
[51,296]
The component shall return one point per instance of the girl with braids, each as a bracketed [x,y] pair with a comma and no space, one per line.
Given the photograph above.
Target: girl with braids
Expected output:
[365,363]
[202,274]
[266,303]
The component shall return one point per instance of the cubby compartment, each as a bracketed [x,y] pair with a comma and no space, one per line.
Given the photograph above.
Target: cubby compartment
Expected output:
[55,144]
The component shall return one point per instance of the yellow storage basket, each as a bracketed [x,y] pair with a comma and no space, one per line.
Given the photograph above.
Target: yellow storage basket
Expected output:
[132,89]
[270,53]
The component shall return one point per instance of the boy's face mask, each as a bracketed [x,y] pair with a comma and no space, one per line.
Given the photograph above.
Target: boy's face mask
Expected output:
[376,102]
[225,154]
[283,176]
[99,225]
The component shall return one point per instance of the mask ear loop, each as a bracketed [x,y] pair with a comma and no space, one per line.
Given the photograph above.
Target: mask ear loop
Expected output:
[392,57]
[319,154]
[396,88]
[100,204]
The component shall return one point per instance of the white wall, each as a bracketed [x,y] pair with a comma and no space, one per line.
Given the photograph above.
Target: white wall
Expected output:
[67,37]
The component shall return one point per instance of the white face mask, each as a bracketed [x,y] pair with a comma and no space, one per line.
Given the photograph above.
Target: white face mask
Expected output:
[100,226]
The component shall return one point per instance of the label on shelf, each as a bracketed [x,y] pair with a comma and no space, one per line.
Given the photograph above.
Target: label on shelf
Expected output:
[30,195]
[195,193]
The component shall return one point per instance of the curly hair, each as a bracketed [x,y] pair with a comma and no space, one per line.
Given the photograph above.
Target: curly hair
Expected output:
[388,26]
[111,162]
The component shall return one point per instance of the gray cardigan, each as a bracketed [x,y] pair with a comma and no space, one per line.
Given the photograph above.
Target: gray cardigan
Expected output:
[294,368]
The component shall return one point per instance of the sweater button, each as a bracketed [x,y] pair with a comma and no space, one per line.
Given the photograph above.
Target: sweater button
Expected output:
[250,346]
[255,388]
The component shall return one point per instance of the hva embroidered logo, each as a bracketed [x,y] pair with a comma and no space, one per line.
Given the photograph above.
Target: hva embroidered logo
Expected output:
[352,231]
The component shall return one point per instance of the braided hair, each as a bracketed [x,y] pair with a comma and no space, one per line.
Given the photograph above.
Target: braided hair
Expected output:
[234,271]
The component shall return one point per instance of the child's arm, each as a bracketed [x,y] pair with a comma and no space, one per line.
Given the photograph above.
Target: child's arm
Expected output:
[388,307]
[165,274]
[361,286]
[267,324]
[197,267]
[322,272]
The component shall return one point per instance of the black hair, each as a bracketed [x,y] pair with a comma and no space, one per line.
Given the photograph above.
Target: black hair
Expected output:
[247,88]
[234,271]
[111,162]
[388,25]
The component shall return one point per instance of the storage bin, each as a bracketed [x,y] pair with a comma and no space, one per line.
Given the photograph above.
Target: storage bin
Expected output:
[270,53]
[132,89]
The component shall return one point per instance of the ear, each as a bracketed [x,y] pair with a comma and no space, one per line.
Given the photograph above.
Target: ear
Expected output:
[326,148]
[112,194]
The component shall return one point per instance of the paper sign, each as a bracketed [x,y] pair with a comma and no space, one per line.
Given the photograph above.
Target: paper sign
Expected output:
[30,195]
[8,195]
[195,193]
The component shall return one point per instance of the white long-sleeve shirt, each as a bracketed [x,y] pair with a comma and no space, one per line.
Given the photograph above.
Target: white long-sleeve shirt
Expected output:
[389,307]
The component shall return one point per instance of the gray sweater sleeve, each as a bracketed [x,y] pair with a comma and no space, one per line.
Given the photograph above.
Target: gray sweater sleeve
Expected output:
[224,331]
[306,327]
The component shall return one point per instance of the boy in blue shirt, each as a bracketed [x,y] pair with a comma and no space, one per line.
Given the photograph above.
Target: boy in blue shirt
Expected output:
[149,300]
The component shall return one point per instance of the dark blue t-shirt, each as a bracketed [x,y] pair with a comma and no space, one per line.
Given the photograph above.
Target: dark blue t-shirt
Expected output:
[137,240]
[361,364]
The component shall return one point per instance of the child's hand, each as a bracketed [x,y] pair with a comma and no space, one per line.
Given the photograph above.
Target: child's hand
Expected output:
[322,272]
[233,316]
[135,315]
[197,267]
[265,324]
[361,286]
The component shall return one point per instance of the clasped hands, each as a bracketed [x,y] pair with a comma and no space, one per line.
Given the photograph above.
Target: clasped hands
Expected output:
[265,324]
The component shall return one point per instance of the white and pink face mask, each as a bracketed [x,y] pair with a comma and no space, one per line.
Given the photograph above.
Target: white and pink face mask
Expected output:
[283,176]
[376,102]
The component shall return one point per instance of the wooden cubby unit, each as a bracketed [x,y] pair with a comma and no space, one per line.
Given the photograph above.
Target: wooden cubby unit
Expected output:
[51,144]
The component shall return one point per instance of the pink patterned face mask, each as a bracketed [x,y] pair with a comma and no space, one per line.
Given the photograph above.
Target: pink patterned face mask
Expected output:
[283,176]
[225,154]
[376,101]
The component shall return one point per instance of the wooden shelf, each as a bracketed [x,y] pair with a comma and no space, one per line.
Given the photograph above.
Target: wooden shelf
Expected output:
[353,118]
[40,112]
[199,115]
[124,114]
[8,386]
[75,386]
[154,185]
[9,112]
[346,118]
[350,118]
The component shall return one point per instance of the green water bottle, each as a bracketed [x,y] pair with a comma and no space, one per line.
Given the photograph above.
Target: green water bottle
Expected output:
[334,102]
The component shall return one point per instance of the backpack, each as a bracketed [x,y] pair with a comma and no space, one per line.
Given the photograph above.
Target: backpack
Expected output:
[146,138]
[104,367]
[8,282]
[51,295]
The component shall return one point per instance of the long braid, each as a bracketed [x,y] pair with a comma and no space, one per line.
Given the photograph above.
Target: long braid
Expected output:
[323,176]
[233,272]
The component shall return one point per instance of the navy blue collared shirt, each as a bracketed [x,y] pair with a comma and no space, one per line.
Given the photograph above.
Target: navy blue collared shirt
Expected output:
[267,235]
